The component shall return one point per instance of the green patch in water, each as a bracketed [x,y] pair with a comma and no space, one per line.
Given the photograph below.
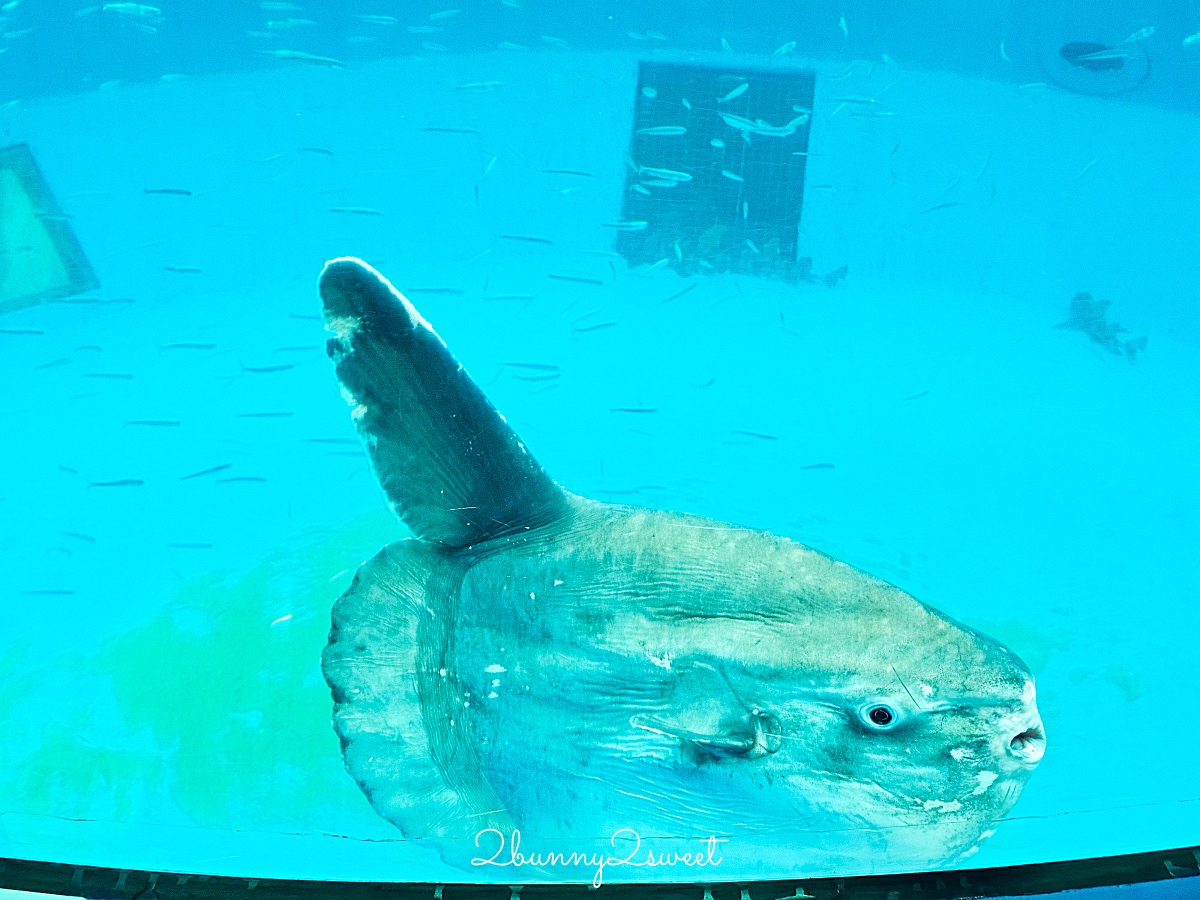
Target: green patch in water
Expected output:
[1033,644]
[216,706]
[1128,683]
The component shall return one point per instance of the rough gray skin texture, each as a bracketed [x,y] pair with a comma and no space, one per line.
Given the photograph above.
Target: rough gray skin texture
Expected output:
[537,660]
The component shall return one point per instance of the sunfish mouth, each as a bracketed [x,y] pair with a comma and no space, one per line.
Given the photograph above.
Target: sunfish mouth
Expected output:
[1028,746]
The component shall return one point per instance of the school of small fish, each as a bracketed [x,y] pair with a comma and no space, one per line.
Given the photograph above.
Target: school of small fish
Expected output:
[237,470]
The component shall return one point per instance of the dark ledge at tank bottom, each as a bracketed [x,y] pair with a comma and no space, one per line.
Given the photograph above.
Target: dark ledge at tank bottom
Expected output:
[1009,881]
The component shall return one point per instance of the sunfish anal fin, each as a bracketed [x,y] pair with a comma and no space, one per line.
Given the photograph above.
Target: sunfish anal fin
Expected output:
[450,466]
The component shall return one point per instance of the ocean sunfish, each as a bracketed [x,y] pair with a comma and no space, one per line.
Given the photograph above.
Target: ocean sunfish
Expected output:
[535,660]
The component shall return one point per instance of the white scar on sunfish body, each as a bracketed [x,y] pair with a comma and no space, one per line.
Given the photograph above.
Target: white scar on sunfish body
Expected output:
[344,327]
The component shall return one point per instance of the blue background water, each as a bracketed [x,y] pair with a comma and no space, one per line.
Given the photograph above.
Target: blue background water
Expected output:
[161,642]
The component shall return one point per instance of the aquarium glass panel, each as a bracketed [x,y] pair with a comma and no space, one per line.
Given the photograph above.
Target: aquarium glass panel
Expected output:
[665,442]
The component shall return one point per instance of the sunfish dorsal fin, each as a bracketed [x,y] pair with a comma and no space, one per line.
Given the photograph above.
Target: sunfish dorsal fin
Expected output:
[450,466]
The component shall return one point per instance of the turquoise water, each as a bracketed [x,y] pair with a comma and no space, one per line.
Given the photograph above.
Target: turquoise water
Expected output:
[168,587]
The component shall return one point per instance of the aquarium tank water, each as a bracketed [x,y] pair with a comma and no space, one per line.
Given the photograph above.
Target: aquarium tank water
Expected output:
[475,446]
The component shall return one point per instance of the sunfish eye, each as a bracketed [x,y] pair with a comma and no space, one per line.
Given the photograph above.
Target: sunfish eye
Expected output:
[879,715]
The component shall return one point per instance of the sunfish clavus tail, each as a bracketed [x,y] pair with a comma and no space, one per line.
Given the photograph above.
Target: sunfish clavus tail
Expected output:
[538,661]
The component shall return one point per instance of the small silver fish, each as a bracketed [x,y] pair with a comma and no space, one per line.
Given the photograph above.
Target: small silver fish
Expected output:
[285,24]
[301,56]
[758,126]
[736,92]
[1113,53]
[663,174]
[137,10]
[1140,35]
[663,130]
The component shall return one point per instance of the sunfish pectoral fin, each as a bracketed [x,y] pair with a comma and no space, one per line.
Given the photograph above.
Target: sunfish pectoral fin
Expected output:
[723,745]
[757,736]
[450,466]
